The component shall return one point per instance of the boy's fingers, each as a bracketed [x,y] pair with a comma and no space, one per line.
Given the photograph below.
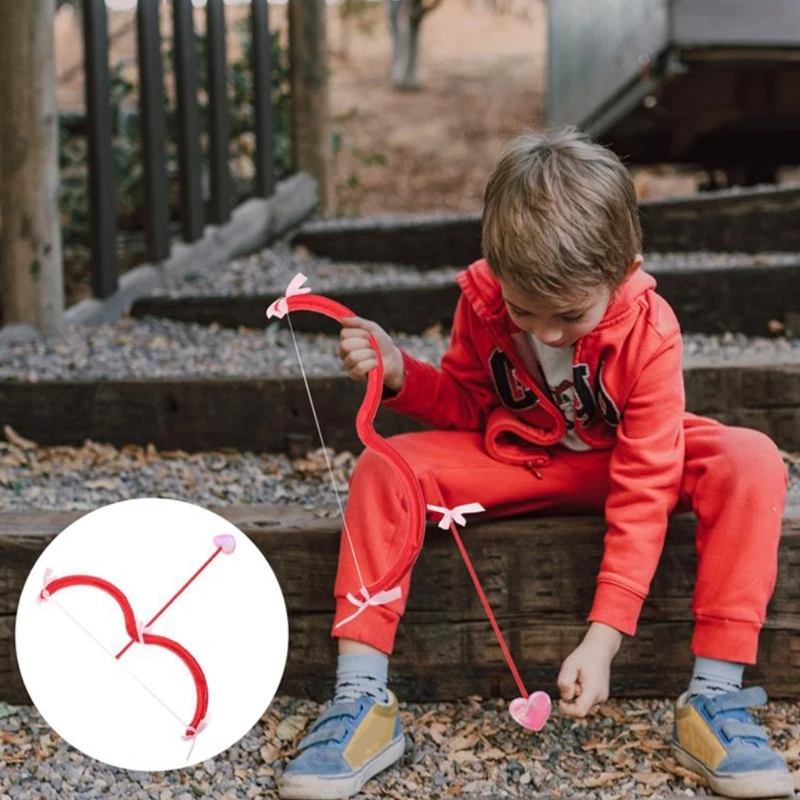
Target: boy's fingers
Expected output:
[352,333]
[356,357]
[361,370]
[360,322]
[567,680]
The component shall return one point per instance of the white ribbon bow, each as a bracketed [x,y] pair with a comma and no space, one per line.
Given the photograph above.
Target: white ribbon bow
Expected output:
[379,599]
[280,308]
[456,514]
[141,629]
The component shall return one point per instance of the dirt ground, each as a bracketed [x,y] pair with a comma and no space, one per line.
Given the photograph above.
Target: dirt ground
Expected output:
[483,78]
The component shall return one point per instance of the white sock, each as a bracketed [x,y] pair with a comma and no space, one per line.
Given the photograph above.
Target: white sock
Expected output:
[712,677]
[359,674]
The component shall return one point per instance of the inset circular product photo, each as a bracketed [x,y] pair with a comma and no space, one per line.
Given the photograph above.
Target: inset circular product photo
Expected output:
[151,634]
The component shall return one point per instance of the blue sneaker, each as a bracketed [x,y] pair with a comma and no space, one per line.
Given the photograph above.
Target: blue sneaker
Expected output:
[717,738]
[349,744]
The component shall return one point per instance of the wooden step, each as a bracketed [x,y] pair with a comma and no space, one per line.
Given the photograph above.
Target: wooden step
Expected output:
[266,415]
[741,220]
[745,299]
[538,575]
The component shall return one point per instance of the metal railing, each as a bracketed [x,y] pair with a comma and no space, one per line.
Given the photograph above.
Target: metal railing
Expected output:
[195,210]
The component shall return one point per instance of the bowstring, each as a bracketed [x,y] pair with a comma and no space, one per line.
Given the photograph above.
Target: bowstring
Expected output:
[325,452]
[144,686]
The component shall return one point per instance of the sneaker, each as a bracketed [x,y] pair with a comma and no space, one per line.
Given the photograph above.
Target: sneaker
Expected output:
[349,744]
[716,737]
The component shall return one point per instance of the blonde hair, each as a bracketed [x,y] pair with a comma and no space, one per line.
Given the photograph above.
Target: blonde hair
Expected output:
[560,216]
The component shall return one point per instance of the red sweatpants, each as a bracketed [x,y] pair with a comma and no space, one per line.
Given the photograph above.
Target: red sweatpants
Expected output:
[733,479]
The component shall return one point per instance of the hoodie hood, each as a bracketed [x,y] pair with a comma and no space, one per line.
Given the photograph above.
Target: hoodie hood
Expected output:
[483,291]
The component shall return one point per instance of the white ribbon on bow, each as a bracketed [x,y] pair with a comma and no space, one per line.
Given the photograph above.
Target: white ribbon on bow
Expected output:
[44,595]
[141,629]
[280,308]
[379,599]
[456,514]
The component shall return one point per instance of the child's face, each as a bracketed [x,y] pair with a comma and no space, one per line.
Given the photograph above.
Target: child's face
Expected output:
[557,326]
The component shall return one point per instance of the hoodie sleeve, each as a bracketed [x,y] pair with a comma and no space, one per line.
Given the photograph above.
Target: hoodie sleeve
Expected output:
[646,471]
[457,396]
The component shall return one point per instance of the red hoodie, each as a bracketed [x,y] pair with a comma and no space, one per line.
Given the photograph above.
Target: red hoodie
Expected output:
[630,399]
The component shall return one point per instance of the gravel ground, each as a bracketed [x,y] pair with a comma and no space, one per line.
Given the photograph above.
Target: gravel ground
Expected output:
[81,479]
[468,749]
[270,271]
[158,348]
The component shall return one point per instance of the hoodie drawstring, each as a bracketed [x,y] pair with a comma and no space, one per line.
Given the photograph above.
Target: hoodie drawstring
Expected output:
[529,466]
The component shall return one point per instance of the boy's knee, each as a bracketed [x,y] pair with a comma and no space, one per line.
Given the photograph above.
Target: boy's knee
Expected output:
[748,456]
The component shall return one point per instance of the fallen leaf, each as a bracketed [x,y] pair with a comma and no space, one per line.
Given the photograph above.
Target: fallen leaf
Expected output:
[651,778]
[492,754]
[269,752]
[613,713]
[102,483]
[601,780]
[437,731]
[6,710]
[17,440]
[652,745]
[672,766]
[291,727]
[790,458]
[463,742]
[793,753]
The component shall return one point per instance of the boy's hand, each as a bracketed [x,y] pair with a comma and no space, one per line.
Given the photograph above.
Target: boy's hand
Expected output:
[585,675]
[359,358]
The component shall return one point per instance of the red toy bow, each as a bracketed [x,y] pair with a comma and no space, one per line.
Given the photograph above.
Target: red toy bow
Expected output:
[530,711]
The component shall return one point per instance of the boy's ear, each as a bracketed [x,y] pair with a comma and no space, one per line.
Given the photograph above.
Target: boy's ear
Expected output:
[634,265]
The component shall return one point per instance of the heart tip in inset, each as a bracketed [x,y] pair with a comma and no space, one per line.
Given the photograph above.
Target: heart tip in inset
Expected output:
[225,542]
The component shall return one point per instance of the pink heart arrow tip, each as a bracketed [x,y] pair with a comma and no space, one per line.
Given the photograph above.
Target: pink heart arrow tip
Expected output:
[225,542]
[533,712]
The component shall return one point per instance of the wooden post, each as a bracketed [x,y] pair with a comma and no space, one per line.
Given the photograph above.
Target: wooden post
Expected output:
[33,283]
[308,54]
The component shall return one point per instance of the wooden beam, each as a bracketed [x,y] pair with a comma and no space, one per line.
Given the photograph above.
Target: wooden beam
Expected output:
[308,57]
[538,574]
[33,282]
[749,221]
[745,299]
[200,414]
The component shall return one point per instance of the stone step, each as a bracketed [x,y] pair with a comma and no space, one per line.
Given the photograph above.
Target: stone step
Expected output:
[268,414]
[538,574]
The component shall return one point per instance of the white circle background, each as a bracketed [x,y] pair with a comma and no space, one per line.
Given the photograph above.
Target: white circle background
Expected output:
[232,619]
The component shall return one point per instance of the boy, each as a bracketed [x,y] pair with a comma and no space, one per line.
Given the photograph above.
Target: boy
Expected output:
[562,391]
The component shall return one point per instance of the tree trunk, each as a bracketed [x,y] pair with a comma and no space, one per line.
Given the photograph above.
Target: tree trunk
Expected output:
[308,55]
[405,21]
[33,281]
